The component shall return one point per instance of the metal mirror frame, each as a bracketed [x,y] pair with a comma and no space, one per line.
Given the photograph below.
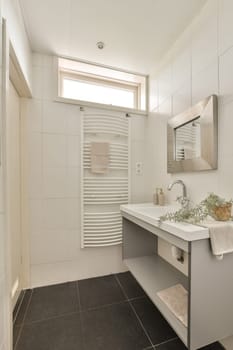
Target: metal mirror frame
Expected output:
[207,110]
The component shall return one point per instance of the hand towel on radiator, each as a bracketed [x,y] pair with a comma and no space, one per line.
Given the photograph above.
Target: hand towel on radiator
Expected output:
[99,157]
[221,236]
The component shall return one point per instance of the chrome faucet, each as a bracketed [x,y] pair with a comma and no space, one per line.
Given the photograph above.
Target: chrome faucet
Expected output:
[184,201]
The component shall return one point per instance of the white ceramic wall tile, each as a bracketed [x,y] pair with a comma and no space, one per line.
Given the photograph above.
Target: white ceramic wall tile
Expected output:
[54,150]
[73,151]
[181,68]
[225,25]
[73,182]
[153,93]
[181,100]
[225,76]
[165,109]
[32,111]
[205,83]
[54,118]
[165,83]
[37,82]
[137,128]
[61,214]
[45,274]
[35,182]
[73,120]
[36,214]
[205,37]
[55,182]
[35,151]
[49,88]
[51,246]
[137,152]
[225,131]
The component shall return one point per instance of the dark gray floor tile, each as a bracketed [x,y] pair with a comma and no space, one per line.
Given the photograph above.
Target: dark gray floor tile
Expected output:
[172,345]
[16,332]
[178,345]
[154,323]
[95,292]
[22,310]
[130,286]
[52,301]
[113,327]
[63,333]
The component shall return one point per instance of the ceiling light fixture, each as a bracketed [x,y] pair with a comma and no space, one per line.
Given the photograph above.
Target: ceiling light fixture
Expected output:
[100,45]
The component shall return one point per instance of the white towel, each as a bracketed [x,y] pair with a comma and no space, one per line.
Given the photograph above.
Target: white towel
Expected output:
[176,299]
[99,157]
[221,237]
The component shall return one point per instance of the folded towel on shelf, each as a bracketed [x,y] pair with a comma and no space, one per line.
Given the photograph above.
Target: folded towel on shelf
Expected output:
[221,237]
[176,299]
[99,157]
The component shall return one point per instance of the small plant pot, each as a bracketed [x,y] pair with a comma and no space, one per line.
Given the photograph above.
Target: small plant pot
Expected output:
[222,212]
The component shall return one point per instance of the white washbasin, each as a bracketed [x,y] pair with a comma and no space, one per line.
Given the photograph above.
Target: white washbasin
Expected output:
[149,213]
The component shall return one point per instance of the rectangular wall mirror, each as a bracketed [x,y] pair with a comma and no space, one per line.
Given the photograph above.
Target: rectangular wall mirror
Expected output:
[192,138]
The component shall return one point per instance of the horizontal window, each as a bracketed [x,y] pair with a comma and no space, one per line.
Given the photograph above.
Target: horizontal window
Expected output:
[81,81]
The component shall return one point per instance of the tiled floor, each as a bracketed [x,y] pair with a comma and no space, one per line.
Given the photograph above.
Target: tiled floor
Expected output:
[105,313]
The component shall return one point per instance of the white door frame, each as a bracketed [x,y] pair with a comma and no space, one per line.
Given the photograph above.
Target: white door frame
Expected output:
[11,70]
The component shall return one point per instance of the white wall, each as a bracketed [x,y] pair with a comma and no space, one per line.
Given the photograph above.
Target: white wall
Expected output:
[54,186]
[199,64]
[11,11]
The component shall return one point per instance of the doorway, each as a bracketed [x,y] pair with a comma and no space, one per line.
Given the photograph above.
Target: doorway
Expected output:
[13,171]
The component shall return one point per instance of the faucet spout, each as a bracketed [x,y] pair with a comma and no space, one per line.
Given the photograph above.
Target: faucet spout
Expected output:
[180,182]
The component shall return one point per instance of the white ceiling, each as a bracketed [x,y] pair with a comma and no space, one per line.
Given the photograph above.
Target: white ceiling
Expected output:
[137,33]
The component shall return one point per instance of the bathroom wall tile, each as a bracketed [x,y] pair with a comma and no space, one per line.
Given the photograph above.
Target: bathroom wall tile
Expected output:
[32,111]
[137,128]
[35,183]
[181,68]
[225,76]
[54,150]
[153,92]
[35,151]
[165,109]
[165,83]
[205,83]
[73,118]
[137,152]
[37,82]
[225,25]
[36,214]
[49,84]
[62,213]
[225,130]
[50,246]
[73,152]
[54,118]
[181,99]
[55,182]
[73,182]
[204,38]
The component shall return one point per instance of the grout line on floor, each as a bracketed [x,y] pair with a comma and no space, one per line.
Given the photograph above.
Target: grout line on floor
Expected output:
[166,341]
[80,313]
[52,318]
[138,318]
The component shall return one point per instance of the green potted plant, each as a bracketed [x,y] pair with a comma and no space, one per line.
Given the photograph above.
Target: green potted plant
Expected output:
[218,207]
[213,205]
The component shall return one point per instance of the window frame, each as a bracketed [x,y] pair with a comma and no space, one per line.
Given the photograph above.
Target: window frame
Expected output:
[105,81]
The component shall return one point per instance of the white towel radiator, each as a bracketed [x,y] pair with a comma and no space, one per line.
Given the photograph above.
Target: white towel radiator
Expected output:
[102,194]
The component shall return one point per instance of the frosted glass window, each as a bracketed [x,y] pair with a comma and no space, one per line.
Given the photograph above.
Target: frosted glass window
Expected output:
[85,91]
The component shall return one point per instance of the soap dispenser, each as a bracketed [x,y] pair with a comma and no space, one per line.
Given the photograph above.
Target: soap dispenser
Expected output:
[161,197]
[156,196]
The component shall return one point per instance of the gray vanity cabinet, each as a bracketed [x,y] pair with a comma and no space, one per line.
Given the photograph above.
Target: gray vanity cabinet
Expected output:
[209,281]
